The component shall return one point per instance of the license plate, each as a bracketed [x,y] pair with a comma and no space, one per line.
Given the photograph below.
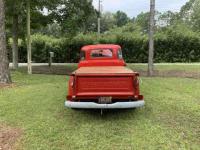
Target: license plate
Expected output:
[105,100]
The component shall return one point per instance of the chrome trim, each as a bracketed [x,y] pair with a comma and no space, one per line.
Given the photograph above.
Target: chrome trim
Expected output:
[92,105]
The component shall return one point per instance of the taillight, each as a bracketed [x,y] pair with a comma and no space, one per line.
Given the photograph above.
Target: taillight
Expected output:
[136,81]
[72,81]
[136,86]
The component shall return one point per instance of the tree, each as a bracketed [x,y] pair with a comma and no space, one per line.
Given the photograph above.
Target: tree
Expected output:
[4,63]
[143,20]
[108,21]
[13,10]
[190,14]
[35,5]
[121,18]
[196,15]
[186,10]
[129,28]
[75,16]
[52,29]
[16,20]
[151,38]
[167,19]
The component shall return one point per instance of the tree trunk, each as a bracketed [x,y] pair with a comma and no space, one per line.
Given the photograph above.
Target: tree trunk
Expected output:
[4,63]
[151,39]
[99,19]
[28,38]
[15,41]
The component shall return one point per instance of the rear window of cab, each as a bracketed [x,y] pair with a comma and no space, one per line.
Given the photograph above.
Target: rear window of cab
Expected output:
[101,53]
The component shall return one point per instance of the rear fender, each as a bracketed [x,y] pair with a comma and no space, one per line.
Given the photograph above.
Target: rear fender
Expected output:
[71,87]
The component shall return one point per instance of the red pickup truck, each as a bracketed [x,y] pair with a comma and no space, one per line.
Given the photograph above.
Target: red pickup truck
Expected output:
[102,80]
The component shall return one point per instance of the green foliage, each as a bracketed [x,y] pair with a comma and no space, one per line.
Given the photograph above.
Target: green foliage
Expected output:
[121,18]
[53,29]
[167,19]
[132,28]
[75,16]
[171,45]
[174,45]
[17,8]
[108,21]
[190,14]
[196,15]
[143,21]
[42,45]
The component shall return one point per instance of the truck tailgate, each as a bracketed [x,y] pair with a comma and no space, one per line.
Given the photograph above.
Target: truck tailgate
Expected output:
[104,81]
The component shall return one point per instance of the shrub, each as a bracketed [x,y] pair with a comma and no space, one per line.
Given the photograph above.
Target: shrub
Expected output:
[171,45]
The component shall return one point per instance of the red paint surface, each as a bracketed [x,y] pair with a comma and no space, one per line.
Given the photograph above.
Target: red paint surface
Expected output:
[89,61]
[103,77]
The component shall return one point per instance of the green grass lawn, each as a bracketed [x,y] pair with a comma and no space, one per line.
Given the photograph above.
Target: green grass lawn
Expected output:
[170,119]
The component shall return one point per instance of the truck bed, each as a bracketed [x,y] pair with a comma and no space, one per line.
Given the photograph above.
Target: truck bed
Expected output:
[94,82]
[103,70]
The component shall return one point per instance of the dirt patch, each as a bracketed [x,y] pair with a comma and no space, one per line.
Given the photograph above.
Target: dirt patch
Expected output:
[6,85]
[183,74]
[8,137]
[57,70]
[173,73]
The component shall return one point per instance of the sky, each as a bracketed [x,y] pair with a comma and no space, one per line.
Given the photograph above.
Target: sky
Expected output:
[134,7]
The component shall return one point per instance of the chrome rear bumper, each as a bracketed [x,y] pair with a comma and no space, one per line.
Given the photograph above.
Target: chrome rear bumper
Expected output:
[92,105]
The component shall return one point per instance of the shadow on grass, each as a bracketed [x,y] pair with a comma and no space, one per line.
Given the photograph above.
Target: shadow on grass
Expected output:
[107,114]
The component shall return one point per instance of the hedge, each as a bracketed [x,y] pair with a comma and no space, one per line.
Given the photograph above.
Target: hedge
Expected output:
[171,46]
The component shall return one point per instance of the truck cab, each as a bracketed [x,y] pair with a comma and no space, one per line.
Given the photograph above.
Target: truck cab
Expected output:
[101,55]
[102,80]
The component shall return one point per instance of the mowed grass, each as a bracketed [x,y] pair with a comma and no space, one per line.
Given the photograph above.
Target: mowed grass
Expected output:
[169,120]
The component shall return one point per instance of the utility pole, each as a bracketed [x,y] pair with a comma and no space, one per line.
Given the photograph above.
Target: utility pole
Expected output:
[99,17]
[151,38]
[28,37]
